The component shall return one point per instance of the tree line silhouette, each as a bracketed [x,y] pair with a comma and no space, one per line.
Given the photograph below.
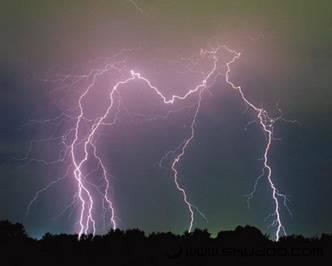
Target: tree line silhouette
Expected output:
[134,247]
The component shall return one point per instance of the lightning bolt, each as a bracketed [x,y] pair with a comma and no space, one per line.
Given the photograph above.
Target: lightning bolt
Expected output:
[266,123]
[86,219]
[136,6]
[82,148]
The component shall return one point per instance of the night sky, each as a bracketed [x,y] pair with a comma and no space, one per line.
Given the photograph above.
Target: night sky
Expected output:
[285,63]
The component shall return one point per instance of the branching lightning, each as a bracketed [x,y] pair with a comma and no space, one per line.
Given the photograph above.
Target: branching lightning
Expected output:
[80,146]
[266,123]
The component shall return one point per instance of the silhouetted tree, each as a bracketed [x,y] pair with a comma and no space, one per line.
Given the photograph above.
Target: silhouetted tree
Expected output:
[200,235]
[132,247]
[9,231]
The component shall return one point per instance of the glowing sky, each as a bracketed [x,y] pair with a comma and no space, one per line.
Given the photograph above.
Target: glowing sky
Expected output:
[286,61]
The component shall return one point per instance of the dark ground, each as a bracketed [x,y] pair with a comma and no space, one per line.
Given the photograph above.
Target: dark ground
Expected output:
[132,247]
